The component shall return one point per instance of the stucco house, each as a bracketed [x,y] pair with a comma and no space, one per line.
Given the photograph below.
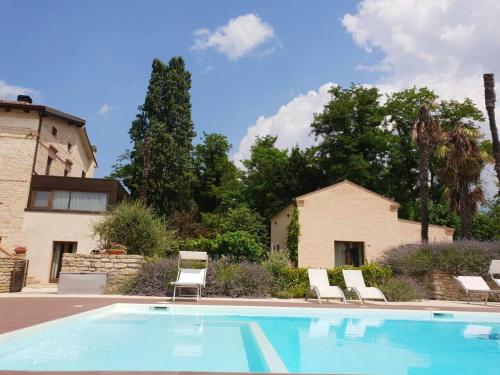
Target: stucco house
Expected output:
[48,198]
[346,224]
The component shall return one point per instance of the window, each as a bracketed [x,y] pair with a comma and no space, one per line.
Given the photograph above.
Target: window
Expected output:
[54,131]
[41,199]
[83,174]
[49,163]
[349,253]
[71,200]
[66,172]
[69,146]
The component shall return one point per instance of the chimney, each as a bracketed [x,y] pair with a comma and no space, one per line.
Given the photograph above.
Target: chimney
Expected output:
[24,98]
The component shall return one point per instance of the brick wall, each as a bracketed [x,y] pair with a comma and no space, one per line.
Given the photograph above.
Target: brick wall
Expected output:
[17,148]
[120,268]
[6,266]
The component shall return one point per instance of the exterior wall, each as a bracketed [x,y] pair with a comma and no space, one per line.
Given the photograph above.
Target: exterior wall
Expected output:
[279,227]
[347,212]
[78,155]
[120,268]
[41,229]
[17,149]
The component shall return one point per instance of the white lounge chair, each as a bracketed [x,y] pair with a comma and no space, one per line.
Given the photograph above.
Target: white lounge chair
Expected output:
[190,278]
[494,271]
[475,285]
[319,284]
[355,282]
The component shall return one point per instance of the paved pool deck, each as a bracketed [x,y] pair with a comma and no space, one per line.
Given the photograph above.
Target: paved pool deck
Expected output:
[19,310]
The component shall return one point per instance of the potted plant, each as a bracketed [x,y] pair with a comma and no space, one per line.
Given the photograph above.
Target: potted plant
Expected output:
[116,248]
[20,250]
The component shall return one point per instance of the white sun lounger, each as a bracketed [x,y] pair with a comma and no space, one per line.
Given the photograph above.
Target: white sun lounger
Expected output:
[355,282]
[319,284]
[475,285]
[494,271]
[190,278]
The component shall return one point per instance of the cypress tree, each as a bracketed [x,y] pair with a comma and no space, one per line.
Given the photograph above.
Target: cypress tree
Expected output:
[164,119]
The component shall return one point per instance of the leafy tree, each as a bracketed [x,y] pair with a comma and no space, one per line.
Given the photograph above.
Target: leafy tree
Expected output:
[486,226]
[137,227]
[304,171]
[267,180]
[164,121]
[463,159]
[235,219]
[216,174]
[352,143]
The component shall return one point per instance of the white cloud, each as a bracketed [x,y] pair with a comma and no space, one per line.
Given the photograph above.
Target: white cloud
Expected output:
[444,44]
[11,92]
[291,123]
[240,36]
[104,109]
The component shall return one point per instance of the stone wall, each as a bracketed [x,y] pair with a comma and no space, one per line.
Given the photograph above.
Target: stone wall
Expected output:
[442,286]
[6,266]
[120,268]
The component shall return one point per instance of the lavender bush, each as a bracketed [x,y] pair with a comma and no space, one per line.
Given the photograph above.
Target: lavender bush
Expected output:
[455,258]
[224,279]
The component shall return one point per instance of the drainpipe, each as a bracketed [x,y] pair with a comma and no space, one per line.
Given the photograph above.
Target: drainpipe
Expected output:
[37,141]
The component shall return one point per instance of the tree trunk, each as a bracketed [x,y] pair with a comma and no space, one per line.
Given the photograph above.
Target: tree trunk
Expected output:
[489,98]
[423,142]
[424,188]
[465,212]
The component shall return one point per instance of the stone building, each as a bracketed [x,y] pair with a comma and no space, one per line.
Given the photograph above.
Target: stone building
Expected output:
[346,224]
[48,197]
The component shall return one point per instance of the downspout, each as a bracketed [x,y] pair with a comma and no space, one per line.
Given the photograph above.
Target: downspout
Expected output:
[37,141]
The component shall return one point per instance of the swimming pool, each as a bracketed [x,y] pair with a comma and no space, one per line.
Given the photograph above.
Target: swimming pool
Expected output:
[258,339]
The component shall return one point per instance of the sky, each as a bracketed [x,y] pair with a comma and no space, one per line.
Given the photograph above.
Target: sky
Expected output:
[258,67]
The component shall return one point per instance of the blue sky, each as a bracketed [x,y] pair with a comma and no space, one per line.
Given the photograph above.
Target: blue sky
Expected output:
[80,55]
[93,58]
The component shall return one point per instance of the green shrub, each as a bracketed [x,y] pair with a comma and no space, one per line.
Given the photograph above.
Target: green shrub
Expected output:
[373,274]
[294,282]
[276,260]
[137,227]
[455,258]
[400,289]
[290,283]
[238,246]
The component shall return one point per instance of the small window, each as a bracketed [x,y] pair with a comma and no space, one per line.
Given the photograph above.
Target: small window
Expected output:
[83,174]
[49,164]
[69,146]
[278,247]
[54,131]
[349,254]
[41,199]
[66,172]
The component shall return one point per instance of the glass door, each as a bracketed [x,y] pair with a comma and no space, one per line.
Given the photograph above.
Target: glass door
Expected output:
[57,254]
[349,253]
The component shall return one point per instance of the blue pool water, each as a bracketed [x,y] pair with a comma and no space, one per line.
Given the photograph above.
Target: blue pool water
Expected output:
[252,339]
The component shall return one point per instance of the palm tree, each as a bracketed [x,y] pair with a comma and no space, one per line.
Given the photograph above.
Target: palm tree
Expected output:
[426,132]
[489,98]
[462,160]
